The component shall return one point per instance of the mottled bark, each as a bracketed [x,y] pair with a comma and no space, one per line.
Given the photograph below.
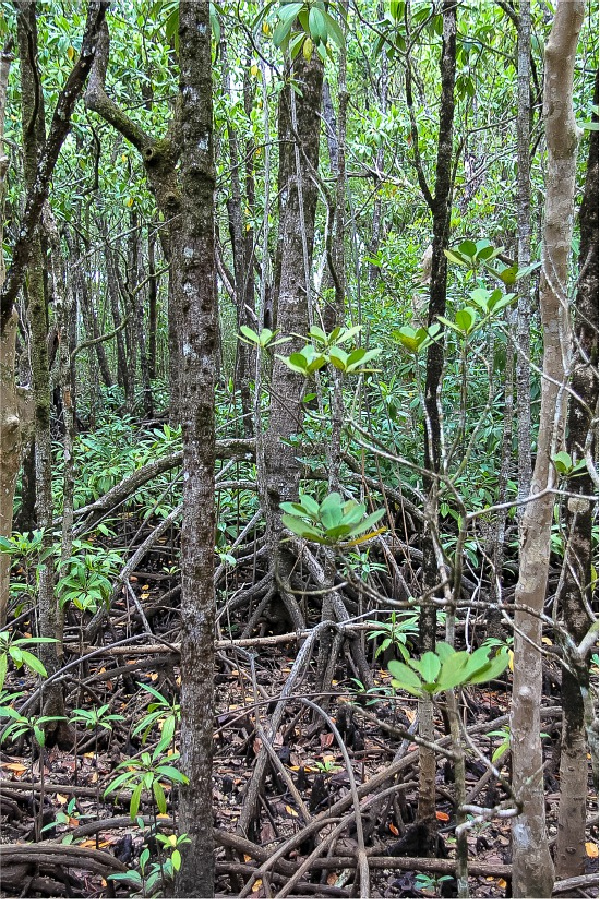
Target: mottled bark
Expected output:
[60,125]
[160,158]
[11,431]
[279,482]
[374,270]
[532,864]
[32,108]
[440,204]
[238,249]
[576,593]
[523,371]
[112,286]
[199,311]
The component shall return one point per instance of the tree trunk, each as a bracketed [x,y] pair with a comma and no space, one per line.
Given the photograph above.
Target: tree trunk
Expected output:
[440,204]
[11,431]
[279,481]
[523,251]
[576,592]
[199,310]
[32,106]
[533,873]
[160,157]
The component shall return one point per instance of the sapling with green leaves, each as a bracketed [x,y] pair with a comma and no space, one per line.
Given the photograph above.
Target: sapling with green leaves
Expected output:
[34,725]
[443,670]
[149,875]
[164,714]
[147,774]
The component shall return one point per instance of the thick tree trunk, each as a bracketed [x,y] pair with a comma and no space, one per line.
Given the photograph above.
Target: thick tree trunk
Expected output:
[576,592]
[532,865]
[199,310]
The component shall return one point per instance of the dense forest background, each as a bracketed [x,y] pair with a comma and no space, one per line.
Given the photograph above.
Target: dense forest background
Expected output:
[299,398]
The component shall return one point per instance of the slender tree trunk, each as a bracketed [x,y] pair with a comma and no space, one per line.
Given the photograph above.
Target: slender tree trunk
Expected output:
[576,595]
[440,204]
[374,270]
[152,318]
[11,426]
[523,250]
[199,310]
[112,285]
[238,250]
[279,481]
[32,104]
[160,157]
[533,873]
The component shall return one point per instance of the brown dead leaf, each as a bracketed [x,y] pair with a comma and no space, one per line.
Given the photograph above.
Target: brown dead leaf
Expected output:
[326,740]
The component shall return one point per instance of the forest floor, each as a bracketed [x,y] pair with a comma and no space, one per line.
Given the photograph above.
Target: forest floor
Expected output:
[77,837]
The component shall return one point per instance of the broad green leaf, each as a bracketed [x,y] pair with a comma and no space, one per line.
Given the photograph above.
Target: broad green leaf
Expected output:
[249,334]
[443,650]
[497,666]
[452,672]
[464,319]
[331,510]
[334,30]
[301,528]
[454,257]
[430,667]
[468,248]
[562,462]
[317,26]
[405,678]
[176,859]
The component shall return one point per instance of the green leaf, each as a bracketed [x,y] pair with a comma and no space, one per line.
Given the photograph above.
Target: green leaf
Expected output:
[334,30]
[310,504]
[454,257]
[159,796]
[430,667]
[468,248]
[464,319]
[497,666]
[452,672]
[176,859]
[317,26]
[500,751]
[405,678]
[301,528]
[286,15]
[562,462]
[136,798]
[3,668]
[171,773]
[300,366]
[34,663]
[251,335]
[508,275]
[133,877]
[338,358]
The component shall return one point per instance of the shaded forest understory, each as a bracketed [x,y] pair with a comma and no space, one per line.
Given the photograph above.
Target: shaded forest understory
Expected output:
[298,449]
